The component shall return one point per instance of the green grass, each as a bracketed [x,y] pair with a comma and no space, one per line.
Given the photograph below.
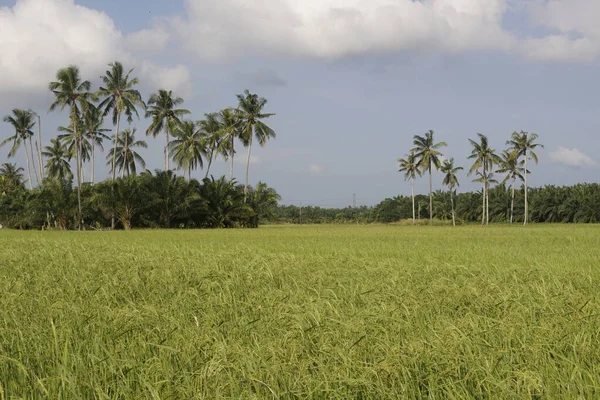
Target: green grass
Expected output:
[302,312]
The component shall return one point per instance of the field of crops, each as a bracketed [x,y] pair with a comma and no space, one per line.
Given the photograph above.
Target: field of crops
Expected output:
[368,312]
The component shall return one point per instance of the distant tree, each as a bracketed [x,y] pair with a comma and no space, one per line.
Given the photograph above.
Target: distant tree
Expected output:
[165,117]
[428,156]
[126,158]
[119,97]
[22,122]
[250,115]
[231,130]
[411,169]
[512,167]
[94,133]
[451,180]
[263,200]
[57,164]
[188,147]
[214,138]
[11,178]
[485,158]
[524,144]
[73,92]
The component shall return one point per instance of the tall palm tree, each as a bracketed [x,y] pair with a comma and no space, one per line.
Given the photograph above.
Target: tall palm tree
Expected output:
[250,114]
[39,144]
[94,133]
[73,92]
[428,157]
[57,164]
[125,156]
[451,180]
[512,166]
[76,143]
[215,138]
[485,158]
[189,147]
[120,97]
[230,128]
[165,116]
[22,122]
[524,144]
[411,169]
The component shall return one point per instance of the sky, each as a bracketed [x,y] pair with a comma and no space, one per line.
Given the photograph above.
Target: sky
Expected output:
[350,81]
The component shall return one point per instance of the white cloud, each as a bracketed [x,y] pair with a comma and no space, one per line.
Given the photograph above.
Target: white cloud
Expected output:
[38,37]
[572,158]
[316,169]
[338,28]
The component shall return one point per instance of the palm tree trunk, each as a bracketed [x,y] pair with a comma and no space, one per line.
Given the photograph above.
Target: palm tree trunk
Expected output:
[512,201]
[33,157]
[167,150]
[28,166]
[93,159]
[487,204]
[247,169]
[232,155]
[525,181]
[412,192]
[125,151]
[209,162]
[78,161]
[114,167]
[452,203]
[483,207]
[430,197]
[39,147]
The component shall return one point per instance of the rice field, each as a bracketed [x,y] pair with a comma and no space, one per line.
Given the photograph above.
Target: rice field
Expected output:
[310,312]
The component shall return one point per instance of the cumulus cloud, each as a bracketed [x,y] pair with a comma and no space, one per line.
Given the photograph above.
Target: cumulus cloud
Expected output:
[339,28]
[572,158]
[38,37]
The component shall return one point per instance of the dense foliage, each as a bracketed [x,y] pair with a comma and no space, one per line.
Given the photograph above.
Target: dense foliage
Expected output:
[149,200]
[568,204]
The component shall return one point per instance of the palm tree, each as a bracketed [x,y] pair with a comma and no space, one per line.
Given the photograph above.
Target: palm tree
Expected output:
[411,169]
[189,147]
[94,133]
[230,128]
[451,180]
[75,142]
[165,116]
[523,143]
[120,97]
[57,164]
[39,144]
[11,177]
[72,92]
[125,157]
[512,166]
[428,156]
[485,157]
[22,122]
[215,138]
[250,115]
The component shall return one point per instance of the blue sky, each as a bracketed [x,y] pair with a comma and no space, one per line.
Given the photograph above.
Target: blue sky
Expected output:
[351,81]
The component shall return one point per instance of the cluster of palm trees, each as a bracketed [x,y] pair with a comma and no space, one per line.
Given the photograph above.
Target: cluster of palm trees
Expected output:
[190,144]
[512,164]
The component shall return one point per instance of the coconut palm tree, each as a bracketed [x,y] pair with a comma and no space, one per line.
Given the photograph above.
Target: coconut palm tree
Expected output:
[73,92]
[126,157]
[57,164]
[76,142]
[120,97]
[485,158]
[11,177]
[230,129]
[250,114]
[451,180]
[94,133]
[215,138]
[512,166]
[22,122]
[524,144]
[189,147]
[165,116]
[411,169]
[428,157]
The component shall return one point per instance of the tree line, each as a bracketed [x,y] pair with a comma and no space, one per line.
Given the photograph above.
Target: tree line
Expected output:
[189,144]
